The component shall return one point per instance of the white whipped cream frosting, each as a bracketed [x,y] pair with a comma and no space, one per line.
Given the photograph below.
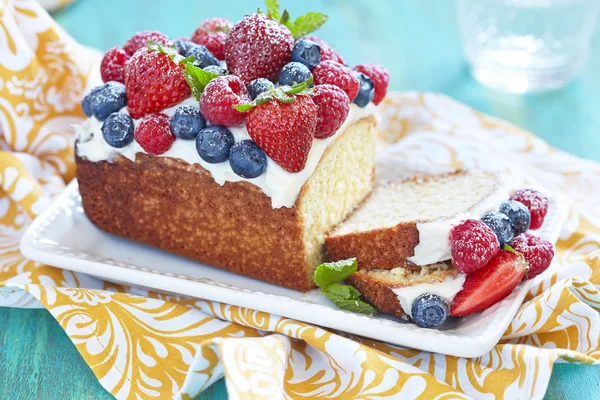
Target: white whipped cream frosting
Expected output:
[281,186]
[434,236]
[446,289]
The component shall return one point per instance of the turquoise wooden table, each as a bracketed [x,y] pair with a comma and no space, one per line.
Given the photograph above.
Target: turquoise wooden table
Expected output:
[417,41]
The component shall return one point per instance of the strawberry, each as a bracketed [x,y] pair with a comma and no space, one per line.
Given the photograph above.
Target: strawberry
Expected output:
[284,131]
[212,33]
[153,82]
[141,39]
[258,47]
[490,284]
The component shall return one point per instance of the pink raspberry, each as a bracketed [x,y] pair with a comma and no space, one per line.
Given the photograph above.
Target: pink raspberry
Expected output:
[333,106]
[537,251]
[339,75]
[219,97]
[473,244]
[141,39]
[327,53]
[537,204]
[380,77]
[154,133]
[113,65]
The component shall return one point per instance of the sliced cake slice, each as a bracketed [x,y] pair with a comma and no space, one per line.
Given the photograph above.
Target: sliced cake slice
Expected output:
[407,223]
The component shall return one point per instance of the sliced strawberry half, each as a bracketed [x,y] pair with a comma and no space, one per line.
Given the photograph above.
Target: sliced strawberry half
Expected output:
[490,284]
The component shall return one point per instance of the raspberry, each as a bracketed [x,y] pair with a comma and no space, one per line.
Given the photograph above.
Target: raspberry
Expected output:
[153,82]
[333,106]
[473,245]
[113,65]
[536,202]
[212,33]
[219,97]
[327,53]
[537,251]
[336,74]
[154,134]
[141,39]
[284,131]
[380,77]
[258,47]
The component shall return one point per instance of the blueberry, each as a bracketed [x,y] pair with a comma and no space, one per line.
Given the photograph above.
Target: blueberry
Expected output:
[202,56]
[187,122]
[429,310]
[213,144]
[519,215]
[366,90]
[117,130]
[105,100]
[501,225]
[216,69]
[247,159]
[293,72]
[259,86]
[307,53]
[181,45]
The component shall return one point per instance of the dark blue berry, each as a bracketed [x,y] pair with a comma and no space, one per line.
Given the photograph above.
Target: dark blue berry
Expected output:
[247,159]
[202,56]
[518,213]
[105,100]
[429,310]
[259,86]
[117,130]
[187,122]
[501,225]
[293,72]
[366,90]
[213,144]
[181,45]
[307,53]
[216,69]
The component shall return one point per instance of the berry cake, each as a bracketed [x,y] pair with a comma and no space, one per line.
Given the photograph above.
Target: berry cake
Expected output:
[240,147]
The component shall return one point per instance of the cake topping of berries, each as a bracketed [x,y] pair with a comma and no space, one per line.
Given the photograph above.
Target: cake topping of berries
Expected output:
[104,100]
[117,130]
[154,82]
[429,311]
[490,284]
[247,159]
[473,244]
[212,33]
[213,144]
[333,107]
[380,77]
[113,64]
[187,121]
[518,214]
[327,53]
[537,251]
[307,53]
[501,225]
[141,40]
[153,134]
[366,90]
[333,73]
[293,73]
[219,98]
[537,204]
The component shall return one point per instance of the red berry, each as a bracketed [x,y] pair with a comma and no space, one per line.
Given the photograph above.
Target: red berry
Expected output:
[113,65]
[490,284]
[154,133]
[473,244]
[537,251]
[141,39]
[537,204]
[153,82]
[219,97]
[258,47]
[380,77]
[339,75]
[327,53]
[284,131]
[333,106]
[212,33]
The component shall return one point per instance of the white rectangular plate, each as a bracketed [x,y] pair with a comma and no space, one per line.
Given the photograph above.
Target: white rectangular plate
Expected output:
[65,238]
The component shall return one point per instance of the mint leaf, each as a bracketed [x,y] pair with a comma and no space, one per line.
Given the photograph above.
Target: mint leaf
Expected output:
[328,273]
[197,78]
[273,9]
[345,291]
[355,305]
[307,23]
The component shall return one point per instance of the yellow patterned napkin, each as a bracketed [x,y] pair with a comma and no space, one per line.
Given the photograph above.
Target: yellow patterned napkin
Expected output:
[142,344]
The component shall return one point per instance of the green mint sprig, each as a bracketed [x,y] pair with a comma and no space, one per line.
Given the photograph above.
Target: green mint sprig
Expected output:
[283,94]
[303,25]
[345,297]
[196,77]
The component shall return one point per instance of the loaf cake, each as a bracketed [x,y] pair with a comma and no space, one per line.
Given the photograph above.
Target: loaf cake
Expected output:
[239,148]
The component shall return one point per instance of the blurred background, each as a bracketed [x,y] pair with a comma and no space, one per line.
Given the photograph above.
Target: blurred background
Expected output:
[418,41]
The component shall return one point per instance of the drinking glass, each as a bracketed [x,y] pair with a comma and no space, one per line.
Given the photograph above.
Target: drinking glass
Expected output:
[527,45]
